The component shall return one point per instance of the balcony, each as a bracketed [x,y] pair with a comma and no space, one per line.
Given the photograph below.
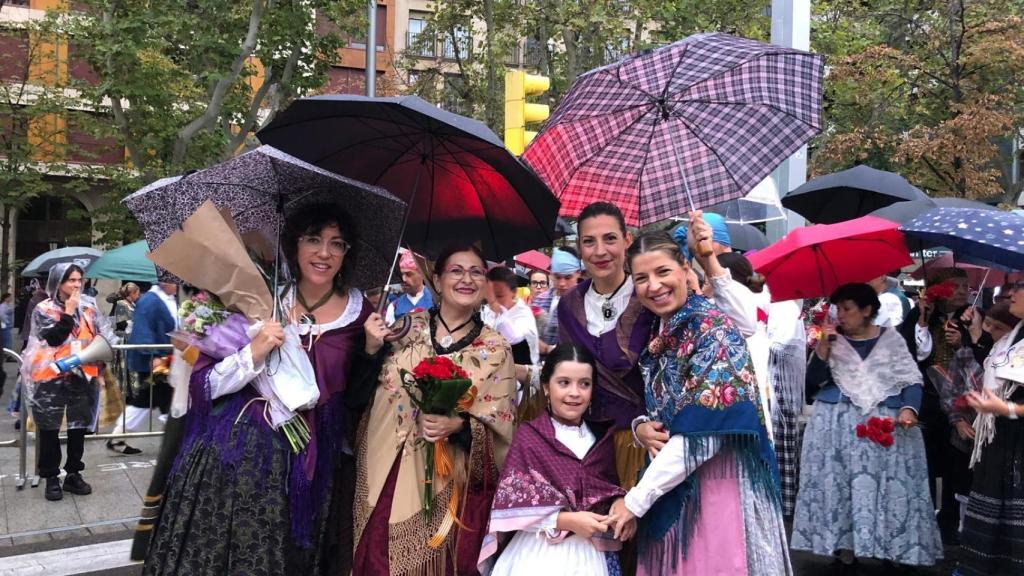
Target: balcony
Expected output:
[421,47]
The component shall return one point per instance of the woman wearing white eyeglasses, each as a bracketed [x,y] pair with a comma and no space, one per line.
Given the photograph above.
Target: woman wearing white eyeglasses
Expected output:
[394,536]
[994,523]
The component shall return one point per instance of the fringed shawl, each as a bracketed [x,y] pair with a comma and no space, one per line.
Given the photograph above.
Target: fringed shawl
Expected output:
[542,476]
[616,352]
[700,383]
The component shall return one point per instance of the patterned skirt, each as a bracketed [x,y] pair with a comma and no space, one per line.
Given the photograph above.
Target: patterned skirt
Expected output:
[856,495]
[220,519]
[992,541]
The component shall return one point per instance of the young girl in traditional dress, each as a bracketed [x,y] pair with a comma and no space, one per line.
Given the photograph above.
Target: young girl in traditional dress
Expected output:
[558,483]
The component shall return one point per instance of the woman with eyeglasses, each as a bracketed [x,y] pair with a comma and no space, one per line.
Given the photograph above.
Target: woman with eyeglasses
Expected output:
[538,284]
[238,499]
[994,523]
[394,535]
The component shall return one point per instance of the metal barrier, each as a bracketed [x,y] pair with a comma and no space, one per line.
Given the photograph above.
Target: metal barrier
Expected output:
[120,367]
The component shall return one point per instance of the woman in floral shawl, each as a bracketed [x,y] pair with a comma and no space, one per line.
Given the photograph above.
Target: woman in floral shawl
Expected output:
[395,536]
[558,482]
[714,485]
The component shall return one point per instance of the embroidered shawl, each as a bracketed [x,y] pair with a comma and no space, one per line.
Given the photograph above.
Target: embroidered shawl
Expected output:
[700,383]
[887,369]
[391,428]
[620,388]
[1004,375]
[542,476]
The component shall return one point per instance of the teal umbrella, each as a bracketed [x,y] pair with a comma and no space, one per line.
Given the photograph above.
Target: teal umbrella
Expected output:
[128,262]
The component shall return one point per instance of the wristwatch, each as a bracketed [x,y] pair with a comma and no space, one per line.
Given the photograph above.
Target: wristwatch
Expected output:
[1011,410]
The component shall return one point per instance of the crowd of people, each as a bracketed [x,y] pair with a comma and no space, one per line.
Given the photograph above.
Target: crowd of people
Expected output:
[639,413]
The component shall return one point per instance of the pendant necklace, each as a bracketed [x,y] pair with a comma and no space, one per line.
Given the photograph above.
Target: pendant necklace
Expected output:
[307,318]
[608,308]
[446,340]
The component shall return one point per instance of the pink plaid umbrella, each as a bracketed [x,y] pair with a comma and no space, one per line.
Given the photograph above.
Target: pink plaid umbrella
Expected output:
[687,126]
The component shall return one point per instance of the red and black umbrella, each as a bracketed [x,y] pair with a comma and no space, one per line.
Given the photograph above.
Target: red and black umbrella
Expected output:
[813,261]
[460,182]
[683,127]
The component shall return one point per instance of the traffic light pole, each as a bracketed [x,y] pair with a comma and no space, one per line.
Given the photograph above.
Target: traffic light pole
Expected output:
[791,27]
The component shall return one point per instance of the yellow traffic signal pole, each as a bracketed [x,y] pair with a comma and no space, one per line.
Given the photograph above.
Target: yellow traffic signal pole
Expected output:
[519,112]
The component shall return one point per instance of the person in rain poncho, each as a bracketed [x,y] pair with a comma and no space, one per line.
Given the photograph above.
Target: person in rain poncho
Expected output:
[63,324]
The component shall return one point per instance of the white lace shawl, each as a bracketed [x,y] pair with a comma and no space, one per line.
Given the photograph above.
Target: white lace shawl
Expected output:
[1004,374]
[887,370]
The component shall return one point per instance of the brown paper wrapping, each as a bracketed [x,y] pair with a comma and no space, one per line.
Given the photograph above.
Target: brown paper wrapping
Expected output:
[208,253]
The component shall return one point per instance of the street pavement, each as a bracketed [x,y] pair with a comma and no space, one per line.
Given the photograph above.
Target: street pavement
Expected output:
[90,535]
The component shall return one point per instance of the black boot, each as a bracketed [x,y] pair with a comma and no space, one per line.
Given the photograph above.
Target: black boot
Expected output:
[53,491]
[122,448]
[76,485]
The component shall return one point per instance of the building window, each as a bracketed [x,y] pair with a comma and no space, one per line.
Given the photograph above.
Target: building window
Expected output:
[456,43]
[381,29]
[417,41]
[452,98]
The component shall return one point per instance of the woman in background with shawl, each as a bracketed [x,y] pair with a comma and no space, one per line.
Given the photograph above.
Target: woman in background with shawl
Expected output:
[238,500]
[558,483]
[395,535]
[709,499]
[865,497]
[994,523]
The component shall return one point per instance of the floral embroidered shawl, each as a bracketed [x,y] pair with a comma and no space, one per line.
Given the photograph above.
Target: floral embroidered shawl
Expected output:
[542,476]
[390,433]
[700,383]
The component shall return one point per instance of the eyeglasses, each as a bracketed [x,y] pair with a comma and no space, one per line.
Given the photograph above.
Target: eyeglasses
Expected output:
[476,274]
[538,283]
[315,244]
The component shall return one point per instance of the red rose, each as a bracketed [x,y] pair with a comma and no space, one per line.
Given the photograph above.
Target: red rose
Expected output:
[862,431]
[887,426]
[885,441]
[942,291]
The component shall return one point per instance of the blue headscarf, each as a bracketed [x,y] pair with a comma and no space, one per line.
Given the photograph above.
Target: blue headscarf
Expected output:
[720,230]
[563,262]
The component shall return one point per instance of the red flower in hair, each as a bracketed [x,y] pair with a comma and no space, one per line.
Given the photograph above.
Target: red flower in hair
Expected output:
[940,291]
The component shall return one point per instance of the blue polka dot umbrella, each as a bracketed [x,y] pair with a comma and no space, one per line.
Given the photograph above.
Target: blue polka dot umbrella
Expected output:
[988,234]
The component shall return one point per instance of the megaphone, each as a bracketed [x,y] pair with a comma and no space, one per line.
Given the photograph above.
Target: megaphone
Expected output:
[98,350]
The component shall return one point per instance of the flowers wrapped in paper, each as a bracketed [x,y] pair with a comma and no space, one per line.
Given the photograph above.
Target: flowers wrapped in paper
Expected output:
[209,253]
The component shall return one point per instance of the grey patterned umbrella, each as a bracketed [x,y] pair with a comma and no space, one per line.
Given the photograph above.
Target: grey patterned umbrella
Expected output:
[81,255]
[260,188]
[683,127]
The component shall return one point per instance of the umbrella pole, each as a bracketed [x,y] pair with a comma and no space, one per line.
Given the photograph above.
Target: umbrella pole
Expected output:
[277,261]
[704,248]
[981,287]
[391,271]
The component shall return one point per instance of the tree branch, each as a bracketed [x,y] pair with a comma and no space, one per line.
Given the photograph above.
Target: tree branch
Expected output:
[220,90]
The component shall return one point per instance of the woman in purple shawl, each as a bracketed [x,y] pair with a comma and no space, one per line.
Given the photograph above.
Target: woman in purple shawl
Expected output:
[550,511]
[238,500]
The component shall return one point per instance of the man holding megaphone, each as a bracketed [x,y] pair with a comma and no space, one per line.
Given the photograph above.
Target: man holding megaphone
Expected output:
[70,338]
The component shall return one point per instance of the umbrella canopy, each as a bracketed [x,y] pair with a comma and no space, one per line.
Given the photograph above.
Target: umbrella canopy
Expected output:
[83,256]
[745,237]
[977,274]
[680,128]
[991,235]
[849,194]
[813,261]
[759,205]
[535,260]
[460,182]
[128,262]
[260,188]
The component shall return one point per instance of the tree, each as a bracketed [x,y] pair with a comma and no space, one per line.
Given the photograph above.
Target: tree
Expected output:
[928,88]
[183,85]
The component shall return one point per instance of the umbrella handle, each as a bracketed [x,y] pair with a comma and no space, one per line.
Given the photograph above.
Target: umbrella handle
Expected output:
[399,329]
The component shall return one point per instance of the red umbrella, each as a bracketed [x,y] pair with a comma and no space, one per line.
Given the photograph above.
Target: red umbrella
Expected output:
[813,261]
[535,260]
[976,274]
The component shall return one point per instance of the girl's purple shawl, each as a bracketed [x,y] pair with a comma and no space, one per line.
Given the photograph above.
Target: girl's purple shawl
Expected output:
[541,475]
[310,477]
[619,393]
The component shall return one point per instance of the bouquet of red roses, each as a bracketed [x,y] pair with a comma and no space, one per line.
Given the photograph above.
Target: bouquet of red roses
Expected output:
[877,430]
[438,386]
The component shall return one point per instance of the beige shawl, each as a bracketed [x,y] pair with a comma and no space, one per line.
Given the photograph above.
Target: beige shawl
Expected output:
[390,430]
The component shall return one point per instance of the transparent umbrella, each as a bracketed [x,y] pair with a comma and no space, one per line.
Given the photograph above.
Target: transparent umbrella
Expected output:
[759,205]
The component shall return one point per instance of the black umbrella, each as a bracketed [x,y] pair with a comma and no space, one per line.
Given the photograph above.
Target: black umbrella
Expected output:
[745,237]
[460,182]
[849,194]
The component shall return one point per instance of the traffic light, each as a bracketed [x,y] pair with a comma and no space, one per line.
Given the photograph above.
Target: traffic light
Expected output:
[518,112]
